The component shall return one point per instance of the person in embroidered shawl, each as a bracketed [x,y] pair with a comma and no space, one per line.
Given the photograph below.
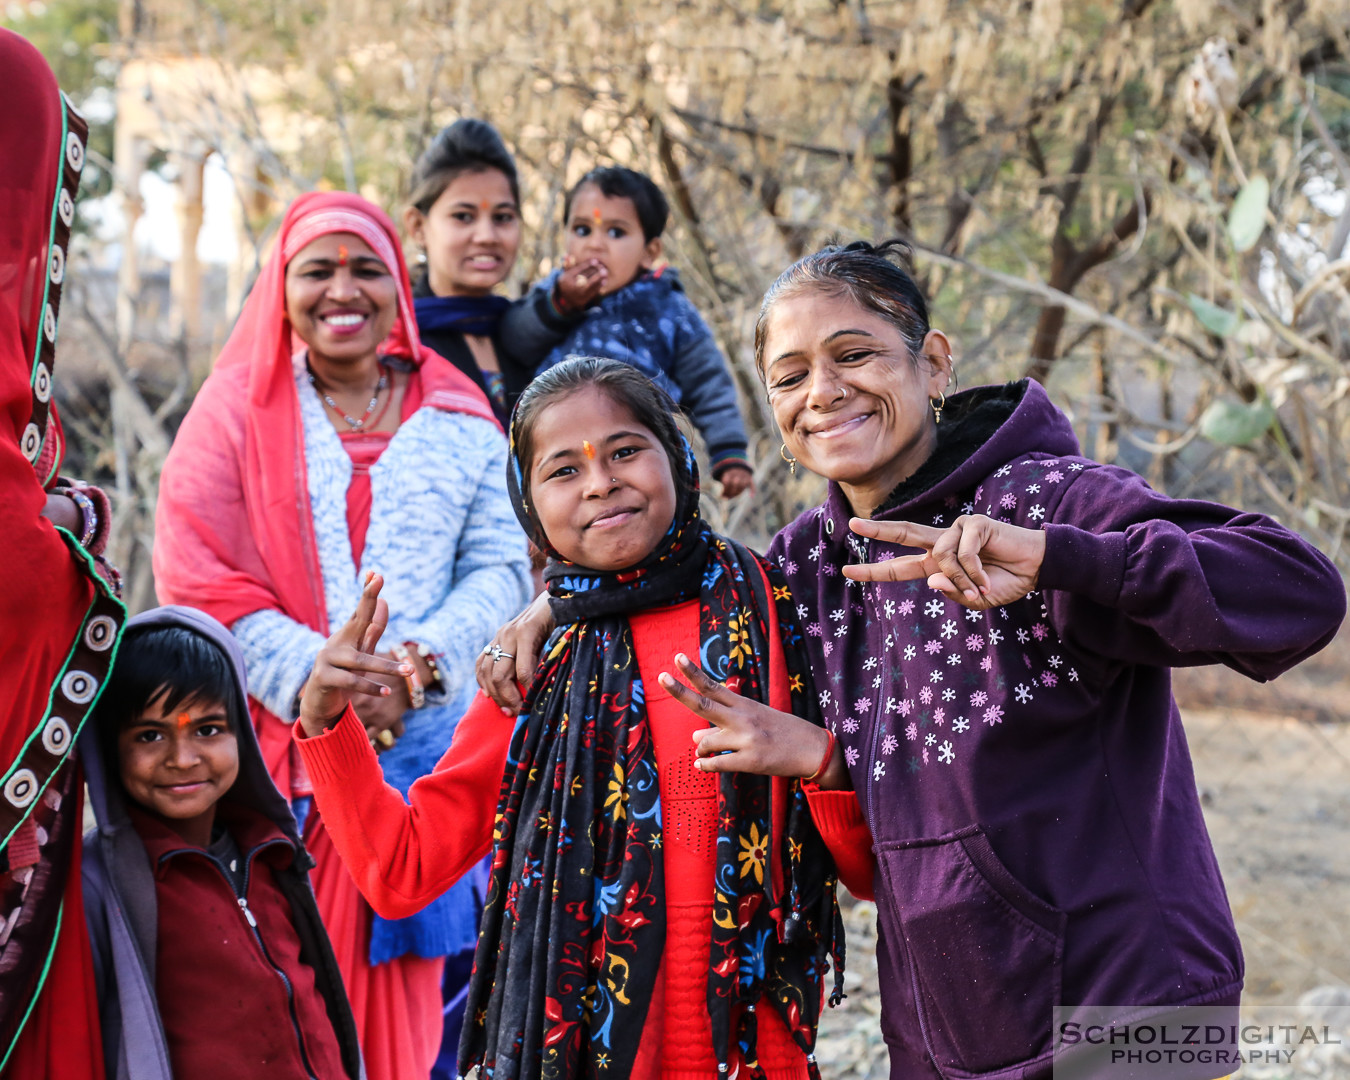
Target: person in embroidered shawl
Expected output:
[59,619]
[643,919]
[328,442]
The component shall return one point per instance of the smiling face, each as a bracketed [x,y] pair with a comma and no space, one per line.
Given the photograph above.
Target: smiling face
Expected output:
[851,401]
[178,766]
[470,235]
[341,299]
[609,507]
[606,227]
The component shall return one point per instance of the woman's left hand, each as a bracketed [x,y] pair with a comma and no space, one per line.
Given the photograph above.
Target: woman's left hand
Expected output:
[61,510]
[976,561]
[750,737]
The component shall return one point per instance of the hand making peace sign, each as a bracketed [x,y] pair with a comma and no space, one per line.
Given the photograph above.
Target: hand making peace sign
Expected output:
[335,679]
[976,561]
[751,737]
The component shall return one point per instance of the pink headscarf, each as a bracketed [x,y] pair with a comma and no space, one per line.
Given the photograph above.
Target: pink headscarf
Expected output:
[233,528]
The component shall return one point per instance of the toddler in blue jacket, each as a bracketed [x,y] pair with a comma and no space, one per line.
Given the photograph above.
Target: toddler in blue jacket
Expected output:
[610,302]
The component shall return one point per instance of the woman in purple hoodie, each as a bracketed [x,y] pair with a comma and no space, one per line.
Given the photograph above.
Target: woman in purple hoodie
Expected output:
[991,623]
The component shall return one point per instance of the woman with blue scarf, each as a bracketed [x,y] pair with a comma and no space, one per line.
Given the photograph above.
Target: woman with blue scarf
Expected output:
[464,216]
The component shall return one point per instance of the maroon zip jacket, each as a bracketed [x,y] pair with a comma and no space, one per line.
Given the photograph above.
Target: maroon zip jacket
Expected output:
[1024,770]
[235,999]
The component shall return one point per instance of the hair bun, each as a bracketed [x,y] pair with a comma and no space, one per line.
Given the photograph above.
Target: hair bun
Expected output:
[467,145]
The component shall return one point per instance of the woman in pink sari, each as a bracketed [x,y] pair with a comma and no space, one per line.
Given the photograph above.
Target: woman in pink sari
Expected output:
[328,443]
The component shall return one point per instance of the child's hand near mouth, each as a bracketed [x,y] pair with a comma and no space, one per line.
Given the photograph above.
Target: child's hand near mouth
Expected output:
[579,285]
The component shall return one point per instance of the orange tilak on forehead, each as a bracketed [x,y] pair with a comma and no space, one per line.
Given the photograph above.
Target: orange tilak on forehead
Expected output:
[184,719]
[484,205]
[597,215]
[342,254]
[588,450]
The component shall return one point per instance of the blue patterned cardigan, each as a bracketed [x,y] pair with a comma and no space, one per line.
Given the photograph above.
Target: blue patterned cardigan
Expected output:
[445,538]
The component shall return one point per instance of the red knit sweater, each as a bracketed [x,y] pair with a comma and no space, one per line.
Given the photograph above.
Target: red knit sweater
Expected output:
[403,856]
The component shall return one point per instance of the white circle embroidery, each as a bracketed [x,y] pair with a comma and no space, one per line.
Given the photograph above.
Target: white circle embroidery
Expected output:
[31,443]
[21,788]
[74,152]
[56,736]
[58,266]
[42,384]
[49,322]
[79,686]
[100,632]
[65,206]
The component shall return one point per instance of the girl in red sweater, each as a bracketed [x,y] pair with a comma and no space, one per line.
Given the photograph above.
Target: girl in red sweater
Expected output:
[644,919]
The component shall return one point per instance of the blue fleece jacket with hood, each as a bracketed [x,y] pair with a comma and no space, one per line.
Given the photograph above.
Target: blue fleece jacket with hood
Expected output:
[651,324]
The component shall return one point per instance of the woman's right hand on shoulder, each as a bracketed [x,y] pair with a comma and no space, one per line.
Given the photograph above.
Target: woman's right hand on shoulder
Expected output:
[345,660]
[506,665]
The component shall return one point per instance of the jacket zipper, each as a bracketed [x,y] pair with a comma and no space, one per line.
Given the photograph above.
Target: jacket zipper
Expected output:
[285,980]
[247,912]
[878,711]
[901,947]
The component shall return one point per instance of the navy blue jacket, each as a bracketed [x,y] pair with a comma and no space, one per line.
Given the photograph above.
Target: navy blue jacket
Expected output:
[653,326]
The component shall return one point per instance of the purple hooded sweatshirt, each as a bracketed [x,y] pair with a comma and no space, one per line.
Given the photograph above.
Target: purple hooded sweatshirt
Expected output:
[1024,771]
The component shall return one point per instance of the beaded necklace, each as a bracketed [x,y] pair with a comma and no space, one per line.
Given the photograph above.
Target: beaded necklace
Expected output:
[354,422]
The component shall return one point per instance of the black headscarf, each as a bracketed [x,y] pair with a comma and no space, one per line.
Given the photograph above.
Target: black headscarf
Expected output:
[577,894]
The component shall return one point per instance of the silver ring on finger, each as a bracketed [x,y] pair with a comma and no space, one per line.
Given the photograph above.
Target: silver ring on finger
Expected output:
[498,653]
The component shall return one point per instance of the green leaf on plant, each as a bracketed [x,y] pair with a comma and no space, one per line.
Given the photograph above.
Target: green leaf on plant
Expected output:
[1233,423]
[1213,318]
[1247,219]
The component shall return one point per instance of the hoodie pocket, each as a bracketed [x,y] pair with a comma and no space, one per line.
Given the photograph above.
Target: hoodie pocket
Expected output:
[984,952]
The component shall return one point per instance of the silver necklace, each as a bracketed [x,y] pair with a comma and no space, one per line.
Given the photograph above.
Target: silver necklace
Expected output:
[354,422]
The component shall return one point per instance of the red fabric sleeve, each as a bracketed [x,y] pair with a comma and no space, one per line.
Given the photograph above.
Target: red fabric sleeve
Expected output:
[61,1039]
[842,826]
[403,855]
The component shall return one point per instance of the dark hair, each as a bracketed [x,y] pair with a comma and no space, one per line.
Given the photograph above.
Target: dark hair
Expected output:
[465,146]
[875,277]
[166,664]
[622,383]
[619,183]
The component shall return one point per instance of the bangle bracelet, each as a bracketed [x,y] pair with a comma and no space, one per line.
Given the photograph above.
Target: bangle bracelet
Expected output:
[434,669]
[88,512]
[825,761]
[417,695]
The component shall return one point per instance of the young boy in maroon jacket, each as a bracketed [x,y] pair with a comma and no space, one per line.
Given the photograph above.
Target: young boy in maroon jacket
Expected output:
[210,958]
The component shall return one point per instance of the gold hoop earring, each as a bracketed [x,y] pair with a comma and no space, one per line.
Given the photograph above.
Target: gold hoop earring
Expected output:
[791,461]
[938,405]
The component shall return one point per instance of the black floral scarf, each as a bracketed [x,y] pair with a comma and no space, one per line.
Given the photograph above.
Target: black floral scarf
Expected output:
[574,925]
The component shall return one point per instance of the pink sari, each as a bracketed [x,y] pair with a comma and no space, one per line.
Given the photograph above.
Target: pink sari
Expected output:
[234,535]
